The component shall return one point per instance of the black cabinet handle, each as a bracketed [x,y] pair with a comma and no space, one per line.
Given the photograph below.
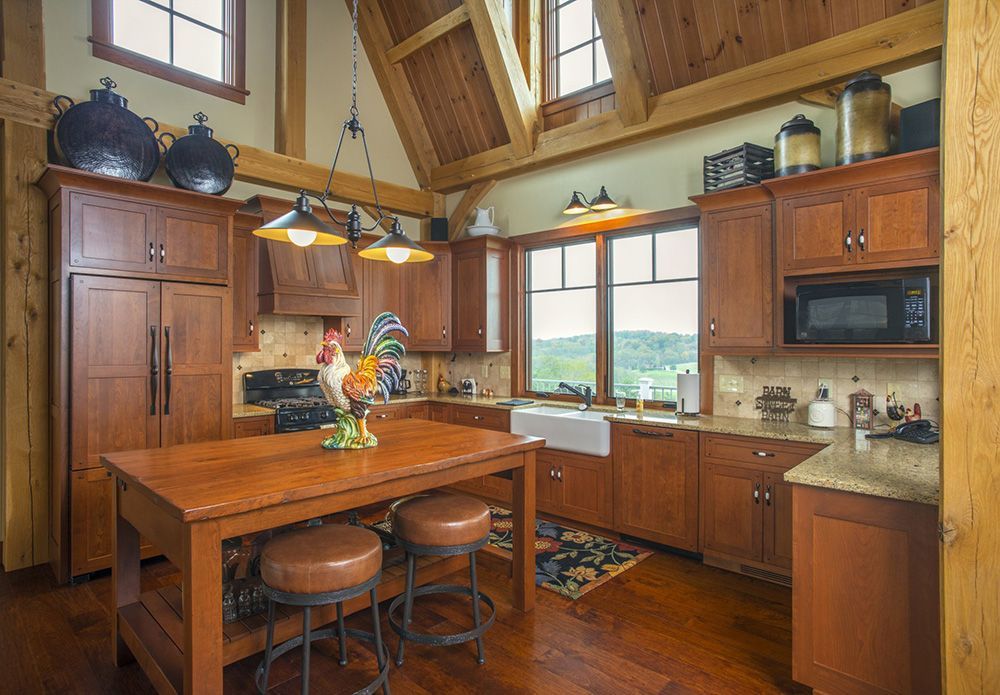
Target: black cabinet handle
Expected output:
[444,331]
[250,331]
[763,454]
[479,331]
[154,366]
[647,433]
[711,326]
[348,332]
[767,495]
[559,474]
[152,252]
[170,371]
[849,241]
[756,493]
[552,473]
[163,254]
[861,238]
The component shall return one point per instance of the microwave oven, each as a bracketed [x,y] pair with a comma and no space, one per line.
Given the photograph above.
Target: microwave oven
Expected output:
[896,310]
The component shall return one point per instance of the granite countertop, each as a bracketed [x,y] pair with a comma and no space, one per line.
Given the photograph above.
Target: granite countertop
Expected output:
[248,410]
[458,399]
[850,463]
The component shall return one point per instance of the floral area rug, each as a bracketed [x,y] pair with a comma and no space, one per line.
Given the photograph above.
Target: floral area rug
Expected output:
[568,561]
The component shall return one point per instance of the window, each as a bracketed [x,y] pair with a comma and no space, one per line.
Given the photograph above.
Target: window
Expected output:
[196,43]
[561,315]
[576,51]
[653,311]
[616,311]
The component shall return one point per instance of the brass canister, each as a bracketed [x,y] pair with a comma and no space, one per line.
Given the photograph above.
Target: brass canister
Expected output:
[864,109]
[796,147]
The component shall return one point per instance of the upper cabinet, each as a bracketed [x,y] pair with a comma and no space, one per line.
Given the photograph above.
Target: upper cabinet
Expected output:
[870,215]
[426,301]
[246,329]
[481,306]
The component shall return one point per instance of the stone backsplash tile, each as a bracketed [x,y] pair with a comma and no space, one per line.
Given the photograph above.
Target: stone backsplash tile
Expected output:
[914,381]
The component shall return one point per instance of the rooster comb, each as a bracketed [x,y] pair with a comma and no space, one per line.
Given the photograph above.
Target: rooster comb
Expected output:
[332,335]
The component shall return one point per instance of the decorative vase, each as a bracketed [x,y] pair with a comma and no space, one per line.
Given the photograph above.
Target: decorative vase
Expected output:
[198,162]
[864,110]
[796,147]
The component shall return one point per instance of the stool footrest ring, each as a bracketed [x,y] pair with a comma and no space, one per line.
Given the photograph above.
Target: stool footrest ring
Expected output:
[440,640]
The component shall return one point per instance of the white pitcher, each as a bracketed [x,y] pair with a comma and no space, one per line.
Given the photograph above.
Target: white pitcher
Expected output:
[484,217]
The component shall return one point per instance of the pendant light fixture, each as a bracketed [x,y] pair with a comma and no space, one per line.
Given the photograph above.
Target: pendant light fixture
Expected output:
[578,203]
[302,228]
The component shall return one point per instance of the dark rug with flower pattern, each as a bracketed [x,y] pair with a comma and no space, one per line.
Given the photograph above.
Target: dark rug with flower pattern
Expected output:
[568,561]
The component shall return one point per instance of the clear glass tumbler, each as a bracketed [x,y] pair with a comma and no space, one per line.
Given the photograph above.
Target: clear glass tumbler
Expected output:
[620,401]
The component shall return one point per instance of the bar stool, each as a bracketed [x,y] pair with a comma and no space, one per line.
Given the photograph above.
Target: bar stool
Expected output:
[440,525]
[318,566]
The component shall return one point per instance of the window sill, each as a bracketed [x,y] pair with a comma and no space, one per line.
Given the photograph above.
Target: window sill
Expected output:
[578,98]
[156,68]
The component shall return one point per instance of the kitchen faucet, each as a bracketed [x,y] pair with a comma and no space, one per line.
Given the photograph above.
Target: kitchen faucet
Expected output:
[586,394]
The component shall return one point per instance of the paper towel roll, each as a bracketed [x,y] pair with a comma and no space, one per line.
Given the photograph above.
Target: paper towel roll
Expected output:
[688,393]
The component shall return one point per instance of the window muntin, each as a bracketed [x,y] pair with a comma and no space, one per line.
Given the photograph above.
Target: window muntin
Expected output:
[653,302]
[561,310]
[577,58]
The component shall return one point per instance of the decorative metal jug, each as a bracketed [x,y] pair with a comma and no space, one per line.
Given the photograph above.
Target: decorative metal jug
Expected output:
[103,136]
[796,147]
[198,162]
[864,109]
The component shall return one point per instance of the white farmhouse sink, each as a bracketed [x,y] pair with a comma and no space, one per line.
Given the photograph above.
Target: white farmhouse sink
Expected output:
[582,432]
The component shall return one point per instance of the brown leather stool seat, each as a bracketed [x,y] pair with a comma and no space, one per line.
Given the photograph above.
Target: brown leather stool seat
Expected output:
[321,559]
[441,520]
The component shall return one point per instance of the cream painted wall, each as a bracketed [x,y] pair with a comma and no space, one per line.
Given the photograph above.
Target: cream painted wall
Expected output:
[660,174]
[72,70]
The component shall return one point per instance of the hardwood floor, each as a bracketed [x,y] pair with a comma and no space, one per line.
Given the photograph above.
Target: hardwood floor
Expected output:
[669,625]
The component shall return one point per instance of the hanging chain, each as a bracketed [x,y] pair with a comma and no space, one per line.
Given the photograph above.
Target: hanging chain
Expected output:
[354,57]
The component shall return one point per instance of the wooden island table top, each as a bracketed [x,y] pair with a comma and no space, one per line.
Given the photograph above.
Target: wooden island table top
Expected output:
[186,499]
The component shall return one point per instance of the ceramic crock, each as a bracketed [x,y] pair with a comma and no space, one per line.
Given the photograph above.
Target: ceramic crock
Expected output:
[796,147]
[864,109]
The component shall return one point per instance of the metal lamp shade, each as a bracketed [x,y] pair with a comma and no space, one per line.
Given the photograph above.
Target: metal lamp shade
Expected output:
[396,247]
[576,206]
[298,226]
[603,201]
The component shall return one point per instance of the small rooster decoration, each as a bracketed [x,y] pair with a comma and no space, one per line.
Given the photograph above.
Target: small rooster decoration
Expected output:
[352,393]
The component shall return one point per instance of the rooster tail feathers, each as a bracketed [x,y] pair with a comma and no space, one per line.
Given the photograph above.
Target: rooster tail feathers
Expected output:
[387,351]
[384,323]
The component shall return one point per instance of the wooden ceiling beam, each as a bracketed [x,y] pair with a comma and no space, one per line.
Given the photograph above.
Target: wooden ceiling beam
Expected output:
[430,33]
[290,78]
[903,40]
[471,200]
[506,74]
[624,45]
[33,106]
[397,91]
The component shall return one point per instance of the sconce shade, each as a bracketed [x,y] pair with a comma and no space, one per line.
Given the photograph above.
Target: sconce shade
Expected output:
[603,201]
[300,227]
[576,206]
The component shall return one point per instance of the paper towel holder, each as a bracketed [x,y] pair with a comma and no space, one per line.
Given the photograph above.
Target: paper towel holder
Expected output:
[688,393]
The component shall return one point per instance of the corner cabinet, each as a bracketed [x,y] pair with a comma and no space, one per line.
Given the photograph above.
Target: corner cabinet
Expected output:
[481,306]
[737,272]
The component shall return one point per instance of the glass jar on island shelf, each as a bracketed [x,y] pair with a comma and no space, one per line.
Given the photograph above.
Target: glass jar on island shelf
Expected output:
[864,110]
[796,147]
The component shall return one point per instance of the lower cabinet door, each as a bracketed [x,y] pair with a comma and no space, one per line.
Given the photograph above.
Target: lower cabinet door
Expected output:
[546,465]
[583,486]
[91,510]
[253,426]
[777,521]
[732,511]
[440,412]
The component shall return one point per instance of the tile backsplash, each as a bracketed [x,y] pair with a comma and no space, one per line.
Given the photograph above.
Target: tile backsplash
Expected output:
[490,370]
[740,379]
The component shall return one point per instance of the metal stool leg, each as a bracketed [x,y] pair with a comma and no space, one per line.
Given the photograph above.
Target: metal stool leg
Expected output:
[475,604]
[306,639]
[377,634]
[341,637]
[411,566]
[269,644]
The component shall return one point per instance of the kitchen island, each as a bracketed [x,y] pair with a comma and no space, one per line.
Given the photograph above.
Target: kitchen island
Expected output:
[186,499]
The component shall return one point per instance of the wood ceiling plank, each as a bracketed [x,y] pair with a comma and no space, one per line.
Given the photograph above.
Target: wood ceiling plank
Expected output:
[624,45]
[653,37]
[686,21]
[748,15]
[870,11]
[506,76]
[970,345]
[712,47]
[290,78]
[819,22]
[432,32]
[845,15]
[793,19]
[729,30]
[901,41]
[460,215]
[772,27]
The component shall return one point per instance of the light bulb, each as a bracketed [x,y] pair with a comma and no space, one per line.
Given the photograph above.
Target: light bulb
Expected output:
[397,255]
[301,237]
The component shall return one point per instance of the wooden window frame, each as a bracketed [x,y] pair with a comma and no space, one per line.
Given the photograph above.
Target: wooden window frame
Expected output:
[233,87]
[550,73]
[599,231]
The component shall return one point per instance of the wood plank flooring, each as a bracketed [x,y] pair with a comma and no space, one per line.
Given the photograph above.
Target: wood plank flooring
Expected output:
[669,625]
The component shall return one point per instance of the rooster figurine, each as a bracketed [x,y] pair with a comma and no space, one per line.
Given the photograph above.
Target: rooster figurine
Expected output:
[352,393]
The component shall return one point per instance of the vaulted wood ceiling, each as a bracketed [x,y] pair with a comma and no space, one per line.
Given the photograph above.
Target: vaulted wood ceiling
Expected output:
[443,66]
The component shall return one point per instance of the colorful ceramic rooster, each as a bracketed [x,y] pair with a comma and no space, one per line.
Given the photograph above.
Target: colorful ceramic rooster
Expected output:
[352,393]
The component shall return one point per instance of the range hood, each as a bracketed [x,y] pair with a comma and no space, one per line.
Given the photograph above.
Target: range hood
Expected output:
[309,281]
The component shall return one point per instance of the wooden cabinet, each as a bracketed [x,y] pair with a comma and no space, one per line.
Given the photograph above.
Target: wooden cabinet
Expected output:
[899,221]
[656,484]
[417,411]
[575,486]
[426,301]
[246,260]
[817,230]
[484,418]
[481,286]
[866,597]
[256,426]
[111,234]
[746,510]
[439,412]
[383,291]
[192,243]
[737,277]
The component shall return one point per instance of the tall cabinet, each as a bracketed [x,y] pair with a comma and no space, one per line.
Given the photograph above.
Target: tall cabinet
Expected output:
[141,329]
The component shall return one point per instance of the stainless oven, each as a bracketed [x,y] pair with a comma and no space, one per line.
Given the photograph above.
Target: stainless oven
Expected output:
[895,310]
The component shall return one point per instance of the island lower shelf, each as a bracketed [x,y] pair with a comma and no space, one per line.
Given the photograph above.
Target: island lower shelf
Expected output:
[153,626]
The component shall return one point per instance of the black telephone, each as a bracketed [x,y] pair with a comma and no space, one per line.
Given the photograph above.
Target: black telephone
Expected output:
[918,432]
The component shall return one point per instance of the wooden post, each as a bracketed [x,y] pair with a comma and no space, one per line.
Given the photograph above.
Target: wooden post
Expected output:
[290,79]
[24,380]
[970,349]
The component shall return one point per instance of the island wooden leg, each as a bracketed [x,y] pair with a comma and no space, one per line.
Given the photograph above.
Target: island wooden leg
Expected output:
[124,576]
[202,609]
[524,534]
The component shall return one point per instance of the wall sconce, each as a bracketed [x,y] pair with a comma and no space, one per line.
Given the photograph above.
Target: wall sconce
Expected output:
[579,204]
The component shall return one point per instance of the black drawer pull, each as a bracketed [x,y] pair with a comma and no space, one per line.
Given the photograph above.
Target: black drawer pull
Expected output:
[647,433]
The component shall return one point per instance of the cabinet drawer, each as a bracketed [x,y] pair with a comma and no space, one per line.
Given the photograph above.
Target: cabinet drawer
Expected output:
[485,418]
[253,426]
[387,412]
[420,411]
[756,452]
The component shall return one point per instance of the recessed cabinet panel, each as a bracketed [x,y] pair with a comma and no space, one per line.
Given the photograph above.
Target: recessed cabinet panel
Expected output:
[777,521]
[732,511]
[111,234]
[899,221]
[818,230]
[469,279]
[426,301]
[246,329]
[192,243]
